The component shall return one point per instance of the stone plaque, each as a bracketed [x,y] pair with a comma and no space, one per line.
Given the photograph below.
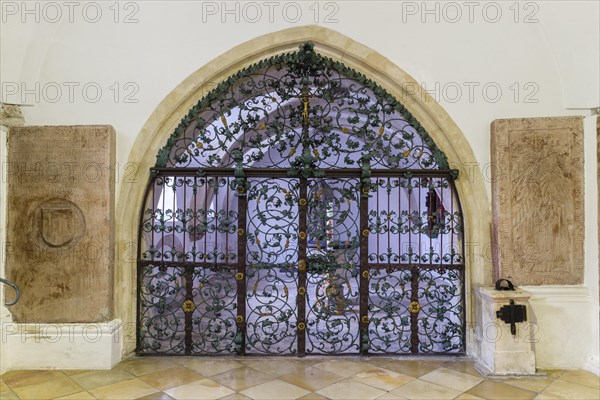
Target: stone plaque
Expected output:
[59,247]
[537,200]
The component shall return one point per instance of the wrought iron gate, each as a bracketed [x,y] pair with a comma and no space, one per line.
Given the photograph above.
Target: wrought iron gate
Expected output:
[299,209]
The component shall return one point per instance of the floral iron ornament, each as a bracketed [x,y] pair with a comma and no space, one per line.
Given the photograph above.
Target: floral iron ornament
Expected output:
[303,112]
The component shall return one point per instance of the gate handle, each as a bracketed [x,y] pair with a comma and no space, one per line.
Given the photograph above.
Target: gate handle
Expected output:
[17,292]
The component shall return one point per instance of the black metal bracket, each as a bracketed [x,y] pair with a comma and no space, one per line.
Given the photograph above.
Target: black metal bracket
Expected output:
[511,314]
[17,292]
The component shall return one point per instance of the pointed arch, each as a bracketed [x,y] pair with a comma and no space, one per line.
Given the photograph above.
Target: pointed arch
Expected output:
[434,120]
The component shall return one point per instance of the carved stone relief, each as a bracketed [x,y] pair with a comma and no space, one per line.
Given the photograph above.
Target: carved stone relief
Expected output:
[537,200]
[60,222]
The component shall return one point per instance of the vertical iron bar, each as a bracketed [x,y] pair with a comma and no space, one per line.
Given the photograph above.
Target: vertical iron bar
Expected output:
[189,287]
[241,270]
[364,270]
[302,267]
[414,271]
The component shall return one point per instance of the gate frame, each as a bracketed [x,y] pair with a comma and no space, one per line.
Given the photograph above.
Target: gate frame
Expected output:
[471,187]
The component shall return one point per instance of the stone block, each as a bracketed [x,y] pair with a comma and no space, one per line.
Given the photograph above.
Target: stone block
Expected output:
[59,247]
[537,200]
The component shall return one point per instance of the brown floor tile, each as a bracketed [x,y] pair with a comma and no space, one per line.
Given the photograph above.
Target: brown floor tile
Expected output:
[15,379]
[94,379]
[464,366]
[129,389]
[8,395]
[582,378]
[493,390]
[534,384]
[48,389]
[170,378]
[566,390]
[242,378]
[382,378]
[552,373]
[77,396]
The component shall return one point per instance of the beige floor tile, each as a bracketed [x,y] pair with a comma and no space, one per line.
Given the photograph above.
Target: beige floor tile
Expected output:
[418,389]
[452,379]
[48,389]
[129,389]
[94,379]
[345,368]
[8,395]
[235,396]
[199,390]
[143,365]
[275,390]
[542,396]
[416,369]
[242,378]
[70,372]
[170,378]
[552,373]
[530,383]
[313,396]
[311,378]
[349,390]
[500,391]
[582,378]
[15,379]
[390,396]
[467,396]
[281,367]
[567,390]
[77,396]
[156,396]
[382,378]
[209,367]
[464,366]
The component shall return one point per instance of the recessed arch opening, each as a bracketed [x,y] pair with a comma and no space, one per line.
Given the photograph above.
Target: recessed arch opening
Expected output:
[357,248]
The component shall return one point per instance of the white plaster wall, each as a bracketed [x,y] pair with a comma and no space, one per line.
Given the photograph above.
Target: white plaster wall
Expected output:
[542,68]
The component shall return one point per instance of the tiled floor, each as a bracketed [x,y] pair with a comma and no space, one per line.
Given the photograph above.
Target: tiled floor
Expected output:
[293,378]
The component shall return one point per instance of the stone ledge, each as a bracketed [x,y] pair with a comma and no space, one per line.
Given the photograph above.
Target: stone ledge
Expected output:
[62,346]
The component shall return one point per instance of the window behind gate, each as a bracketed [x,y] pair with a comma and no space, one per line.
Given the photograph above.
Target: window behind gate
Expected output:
[300,209]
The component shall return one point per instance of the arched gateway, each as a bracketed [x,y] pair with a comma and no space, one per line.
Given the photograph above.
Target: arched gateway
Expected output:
[300,209]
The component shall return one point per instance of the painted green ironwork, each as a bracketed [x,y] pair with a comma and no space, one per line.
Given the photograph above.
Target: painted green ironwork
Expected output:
[300,209]
[314,111]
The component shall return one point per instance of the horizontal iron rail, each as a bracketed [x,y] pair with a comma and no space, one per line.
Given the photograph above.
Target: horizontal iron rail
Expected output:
[396,266]
[329,173]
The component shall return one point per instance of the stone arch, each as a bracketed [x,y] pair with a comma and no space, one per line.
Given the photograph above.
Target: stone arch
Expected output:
[433,118]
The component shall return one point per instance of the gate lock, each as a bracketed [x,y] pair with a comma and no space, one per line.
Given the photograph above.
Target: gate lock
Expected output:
[511,314]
